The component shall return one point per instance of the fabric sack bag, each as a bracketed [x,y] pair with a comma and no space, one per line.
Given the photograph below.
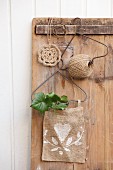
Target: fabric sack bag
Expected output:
[64,136]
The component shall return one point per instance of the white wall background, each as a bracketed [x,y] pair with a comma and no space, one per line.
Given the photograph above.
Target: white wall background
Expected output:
[15,68]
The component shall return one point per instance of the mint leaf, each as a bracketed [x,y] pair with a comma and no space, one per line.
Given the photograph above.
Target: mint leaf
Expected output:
[53,97]
[40,97]
[50,95]
[43,102]
[60,106]
[42,107]
[49,102]
[64,99]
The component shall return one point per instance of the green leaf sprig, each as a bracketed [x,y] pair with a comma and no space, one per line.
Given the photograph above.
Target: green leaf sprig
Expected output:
[44,102]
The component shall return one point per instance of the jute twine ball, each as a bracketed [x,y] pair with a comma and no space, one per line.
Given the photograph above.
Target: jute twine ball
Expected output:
[80,67]
[49,55]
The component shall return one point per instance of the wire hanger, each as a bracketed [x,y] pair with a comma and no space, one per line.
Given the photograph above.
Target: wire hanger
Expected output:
[70,80]
[61,68]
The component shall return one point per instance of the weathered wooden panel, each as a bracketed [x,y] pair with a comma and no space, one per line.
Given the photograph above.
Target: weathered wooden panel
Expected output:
[76,21]
[97,109]
[73,29]
[72,26]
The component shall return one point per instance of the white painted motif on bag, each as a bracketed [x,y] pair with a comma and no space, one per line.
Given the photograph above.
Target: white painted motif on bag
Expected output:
[62,132]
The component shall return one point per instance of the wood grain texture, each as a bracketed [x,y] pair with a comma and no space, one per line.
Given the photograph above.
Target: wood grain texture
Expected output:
[76,21]
[72,29]
[108,107]
[97,109]
[73,25]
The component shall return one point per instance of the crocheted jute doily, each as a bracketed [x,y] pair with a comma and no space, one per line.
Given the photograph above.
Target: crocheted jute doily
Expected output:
[79,66]
[49,55]
[64,136]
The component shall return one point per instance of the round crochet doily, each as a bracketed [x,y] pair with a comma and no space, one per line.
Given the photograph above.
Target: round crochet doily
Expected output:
[49,55]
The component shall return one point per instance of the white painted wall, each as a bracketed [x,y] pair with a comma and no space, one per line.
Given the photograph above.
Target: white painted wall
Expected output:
[15,68]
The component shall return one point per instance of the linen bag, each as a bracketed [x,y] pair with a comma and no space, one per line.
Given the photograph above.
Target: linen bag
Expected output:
[64,136]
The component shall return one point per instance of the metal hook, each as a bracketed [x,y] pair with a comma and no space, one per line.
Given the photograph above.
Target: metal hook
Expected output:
[77,33]
[107,51]
[70,80]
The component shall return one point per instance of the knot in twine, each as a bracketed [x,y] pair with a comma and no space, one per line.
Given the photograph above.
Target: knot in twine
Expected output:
[80,66]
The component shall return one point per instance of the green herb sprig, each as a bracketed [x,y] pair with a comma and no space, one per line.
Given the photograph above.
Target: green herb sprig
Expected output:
[44,102]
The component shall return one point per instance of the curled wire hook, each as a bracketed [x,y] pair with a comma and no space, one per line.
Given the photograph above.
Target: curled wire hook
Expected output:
[78,33]
[91,62]
[95,41]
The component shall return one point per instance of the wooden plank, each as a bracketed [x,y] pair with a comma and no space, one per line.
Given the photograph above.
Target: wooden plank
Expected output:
[108,107]
[89,26]
[21,14]
[99,8]
[6,108]
[84,9]
[80,47]
[93,109]
[72,8]
[75,21]
[96,150]
[72,29]
[111,8]
[48,8]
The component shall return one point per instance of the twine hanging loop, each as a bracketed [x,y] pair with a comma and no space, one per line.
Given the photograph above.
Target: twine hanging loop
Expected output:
[49,55]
